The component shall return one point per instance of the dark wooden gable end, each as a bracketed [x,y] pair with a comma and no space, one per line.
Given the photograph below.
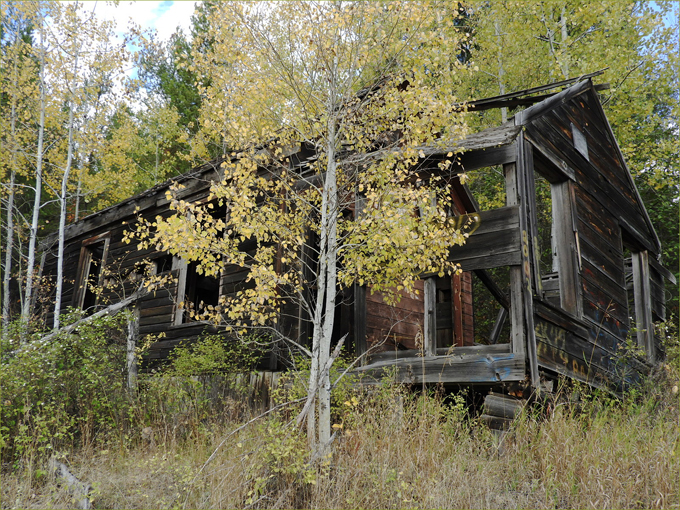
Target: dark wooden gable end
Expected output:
[609,278]
[551,277]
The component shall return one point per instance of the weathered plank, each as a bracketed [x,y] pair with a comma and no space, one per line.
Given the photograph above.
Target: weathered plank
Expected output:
[503,406]
[472,368]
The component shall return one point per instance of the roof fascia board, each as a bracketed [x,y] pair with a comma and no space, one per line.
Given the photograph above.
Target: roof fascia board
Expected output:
[539,109]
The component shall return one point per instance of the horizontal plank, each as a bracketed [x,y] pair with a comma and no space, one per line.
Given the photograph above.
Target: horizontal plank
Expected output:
[381,326]
[406,304]
[599,252]
[494,156]
[166,309]
[615,307]
[153,320]
[513,258]
[384,311]
[560,318]
[593,213]
[585,361]
[604,319]
[472,368]
[599,277]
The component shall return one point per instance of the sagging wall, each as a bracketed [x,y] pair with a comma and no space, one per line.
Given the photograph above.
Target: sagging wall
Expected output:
[608,225]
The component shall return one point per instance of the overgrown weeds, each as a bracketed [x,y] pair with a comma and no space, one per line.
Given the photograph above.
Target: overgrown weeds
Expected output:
[394,448]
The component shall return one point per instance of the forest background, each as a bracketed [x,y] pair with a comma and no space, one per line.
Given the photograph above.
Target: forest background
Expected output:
[89,119]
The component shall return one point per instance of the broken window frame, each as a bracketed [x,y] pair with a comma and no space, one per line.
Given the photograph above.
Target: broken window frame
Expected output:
[83,289]
[565,249]
[641,316]
[186,288]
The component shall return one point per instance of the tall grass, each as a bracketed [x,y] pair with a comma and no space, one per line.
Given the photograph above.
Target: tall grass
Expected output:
[394,448]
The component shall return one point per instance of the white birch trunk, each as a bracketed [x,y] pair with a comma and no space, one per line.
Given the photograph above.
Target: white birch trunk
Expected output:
[501,70]
[9,240]
[319,432]
[76,214]
[28,296]
[330,268]
[62,199]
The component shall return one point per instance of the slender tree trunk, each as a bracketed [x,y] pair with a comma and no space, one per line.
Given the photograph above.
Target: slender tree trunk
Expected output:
[9,246]
[79,187]
[501,70]
[62,199]
[9,240]
[132,334]
[326,293]
[28,297]
[323,315]
[62,224]
[563,47]
[330,268]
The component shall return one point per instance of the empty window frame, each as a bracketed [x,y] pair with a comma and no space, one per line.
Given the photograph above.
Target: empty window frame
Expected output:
[555,237]
[90,272]
[638,288]
[195,290]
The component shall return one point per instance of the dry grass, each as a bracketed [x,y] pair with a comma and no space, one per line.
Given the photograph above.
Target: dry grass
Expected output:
[395,450]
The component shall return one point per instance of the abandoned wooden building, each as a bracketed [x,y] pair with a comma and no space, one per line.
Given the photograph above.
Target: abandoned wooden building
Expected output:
[557,282]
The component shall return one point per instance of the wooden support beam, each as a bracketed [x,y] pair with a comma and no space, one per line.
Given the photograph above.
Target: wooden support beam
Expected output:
[524,167]
[360,322]
[493,287]
[430,326]
[517,332]
[498,326]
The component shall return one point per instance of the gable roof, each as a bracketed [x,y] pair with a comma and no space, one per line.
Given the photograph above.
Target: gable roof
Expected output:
[585,94]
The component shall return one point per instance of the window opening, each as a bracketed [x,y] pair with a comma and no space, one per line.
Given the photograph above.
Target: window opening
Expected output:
[630,286]
[556,244]
[488,187]
[195,289]
[545,226]
[92,260]
[638,297]
[490,319]
[446,312]
[162,264]
[201,291]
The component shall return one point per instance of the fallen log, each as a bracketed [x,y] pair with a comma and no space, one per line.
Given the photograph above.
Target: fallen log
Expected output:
[80,491]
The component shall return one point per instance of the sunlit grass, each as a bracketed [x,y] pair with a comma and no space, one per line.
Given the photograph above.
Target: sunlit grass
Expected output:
[394,449]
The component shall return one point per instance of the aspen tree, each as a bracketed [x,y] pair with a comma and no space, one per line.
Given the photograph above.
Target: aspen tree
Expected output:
[19,90]
[362,86]
[82,62]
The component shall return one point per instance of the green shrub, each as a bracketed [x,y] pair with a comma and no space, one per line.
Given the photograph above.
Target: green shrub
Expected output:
[64,391]
[212,354]
[200,380]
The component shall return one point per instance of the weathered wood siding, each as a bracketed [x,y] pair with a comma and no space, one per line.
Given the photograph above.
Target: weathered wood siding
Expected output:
[397,327]
[604,201]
